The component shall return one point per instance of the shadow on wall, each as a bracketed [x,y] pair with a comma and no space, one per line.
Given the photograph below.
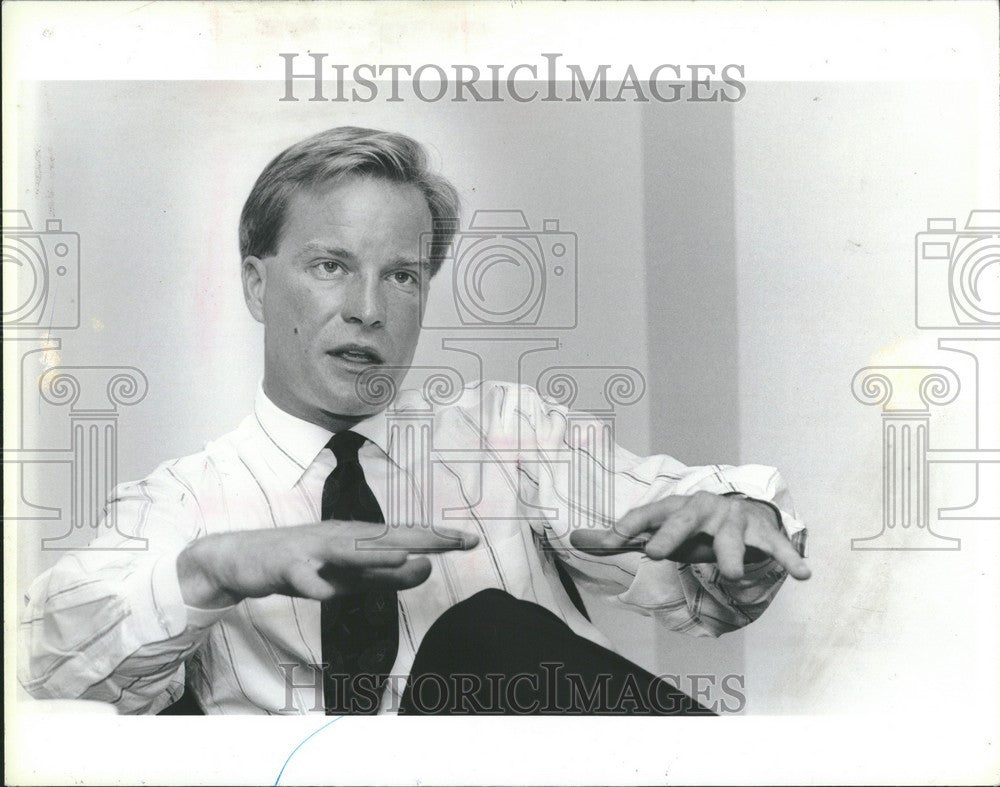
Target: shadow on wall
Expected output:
[691,305]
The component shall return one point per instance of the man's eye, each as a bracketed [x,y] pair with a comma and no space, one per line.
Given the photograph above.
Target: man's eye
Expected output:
[330,266]
[404,277]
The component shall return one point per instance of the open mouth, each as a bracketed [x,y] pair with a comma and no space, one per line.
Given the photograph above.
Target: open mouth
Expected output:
[356,354]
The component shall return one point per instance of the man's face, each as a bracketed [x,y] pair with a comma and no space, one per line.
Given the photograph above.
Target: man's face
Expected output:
[343,294]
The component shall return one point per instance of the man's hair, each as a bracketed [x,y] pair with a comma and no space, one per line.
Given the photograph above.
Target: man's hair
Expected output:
[338,153]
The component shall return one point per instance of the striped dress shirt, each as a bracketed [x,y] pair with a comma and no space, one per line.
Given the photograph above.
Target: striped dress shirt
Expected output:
[496,459]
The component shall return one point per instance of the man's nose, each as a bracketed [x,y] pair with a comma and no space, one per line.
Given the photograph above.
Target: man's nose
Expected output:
[364,303]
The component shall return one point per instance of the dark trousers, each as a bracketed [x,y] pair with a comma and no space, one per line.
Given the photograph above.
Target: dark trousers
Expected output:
[494,654]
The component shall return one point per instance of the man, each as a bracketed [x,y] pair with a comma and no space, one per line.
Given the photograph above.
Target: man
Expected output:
[274,581]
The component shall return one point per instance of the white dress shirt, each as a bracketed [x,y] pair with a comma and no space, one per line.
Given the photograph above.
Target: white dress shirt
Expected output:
[497,460]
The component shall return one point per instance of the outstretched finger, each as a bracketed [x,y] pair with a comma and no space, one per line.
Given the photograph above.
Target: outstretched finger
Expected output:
[650,516]
[630,532]
[677,528]
[602,541]
[729,545]
[412,573]
[781,549]
[420,539]
[337,554]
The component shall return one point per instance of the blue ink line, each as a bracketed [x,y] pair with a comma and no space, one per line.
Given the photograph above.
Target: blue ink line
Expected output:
[301,744]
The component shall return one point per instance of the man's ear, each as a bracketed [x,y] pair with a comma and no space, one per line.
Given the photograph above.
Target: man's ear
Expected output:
[254,282]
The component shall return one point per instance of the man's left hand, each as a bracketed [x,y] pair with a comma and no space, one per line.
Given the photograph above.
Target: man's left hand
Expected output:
[699,528]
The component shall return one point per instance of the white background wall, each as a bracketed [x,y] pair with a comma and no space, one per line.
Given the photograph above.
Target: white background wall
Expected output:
[832,184]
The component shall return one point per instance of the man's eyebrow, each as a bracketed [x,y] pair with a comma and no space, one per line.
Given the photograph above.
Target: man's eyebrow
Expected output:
[326,248]
[412,262]
[336,251]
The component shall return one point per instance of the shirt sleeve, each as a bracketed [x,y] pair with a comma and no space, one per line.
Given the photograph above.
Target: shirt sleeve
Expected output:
[573,470]
[108,622]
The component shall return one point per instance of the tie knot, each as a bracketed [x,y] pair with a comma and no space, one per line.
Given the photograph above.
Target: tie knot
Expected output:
[345,446]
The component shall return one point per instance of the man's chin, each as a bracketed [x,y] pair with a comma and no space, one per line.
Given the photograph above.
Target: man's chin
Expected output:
[368,393]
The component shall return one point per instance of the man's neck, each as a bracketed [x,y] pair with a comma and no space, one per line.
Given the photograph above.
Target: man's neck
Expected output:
[331,421]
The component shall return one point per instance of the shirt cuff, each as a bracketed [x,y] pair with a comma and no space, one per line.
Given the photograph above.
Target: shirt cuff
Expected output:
[174,615]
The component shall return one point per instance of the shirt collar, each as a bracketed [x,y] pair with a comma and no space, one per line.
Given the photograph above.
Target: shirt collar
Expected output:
[297,442]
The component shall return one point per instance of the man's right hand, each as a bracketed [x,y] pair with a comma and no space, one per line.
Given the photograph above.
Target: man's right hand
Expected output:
[310,561]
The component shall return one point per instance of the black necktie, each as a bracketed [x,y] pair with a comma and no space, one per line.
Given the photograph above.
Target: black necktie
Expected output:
[360,632]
